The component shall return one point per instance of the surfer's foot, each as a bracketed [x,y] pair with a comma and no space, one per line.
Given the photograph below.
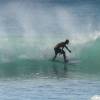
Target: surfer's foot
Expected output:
[66,61]
[53,59]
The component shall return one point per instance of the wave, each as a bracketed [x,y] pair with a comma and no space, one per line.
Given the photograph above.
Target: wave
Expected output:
[90,57]
[30,30]
[25,66]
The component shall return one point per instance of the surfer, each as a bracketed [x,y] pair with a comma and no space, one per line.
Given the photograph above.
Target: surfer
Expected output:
[59,49]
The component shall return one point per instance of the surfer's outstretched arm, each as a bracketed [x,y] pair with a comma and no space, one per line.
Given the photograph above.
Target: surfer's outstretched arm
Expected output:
[68,49]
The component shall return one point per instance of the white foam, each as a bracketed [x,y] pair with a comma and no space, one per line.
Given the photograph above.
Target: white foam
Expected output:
[95,97]
[84,38]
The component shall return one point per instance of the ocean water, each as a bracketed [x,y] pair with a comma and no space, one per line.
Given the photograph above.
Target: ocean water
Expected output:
[29,30]
[49,89]
[25,77]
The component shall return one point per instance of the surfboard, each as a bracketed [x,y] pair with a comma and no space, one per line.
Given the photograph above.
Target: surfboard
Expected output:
[70,62]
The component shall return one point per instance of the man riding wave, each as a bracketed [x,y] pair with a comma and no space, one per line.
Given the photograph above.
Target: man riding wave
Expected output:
[59,49]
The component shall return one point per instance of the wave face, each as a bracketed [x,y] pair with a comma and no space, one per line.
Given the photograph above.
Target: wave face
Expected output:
[30,29]
[90,57]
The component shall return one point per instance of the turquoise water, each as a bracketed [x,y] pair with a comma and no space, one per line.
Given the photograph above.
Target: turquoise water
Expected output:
[29,79]
[22,61]
[26,78]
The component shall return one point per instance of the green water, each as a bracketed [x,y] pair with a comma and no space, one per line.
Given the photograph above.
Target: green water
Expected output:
[18,59]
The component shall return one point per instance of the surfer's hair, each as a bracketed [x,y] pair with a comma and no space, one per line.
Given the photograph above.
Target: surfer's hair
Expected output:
[67,41]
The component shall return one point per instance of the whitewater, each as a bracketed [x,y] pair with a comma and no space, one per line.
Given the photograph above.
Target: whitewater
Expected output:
[29,30]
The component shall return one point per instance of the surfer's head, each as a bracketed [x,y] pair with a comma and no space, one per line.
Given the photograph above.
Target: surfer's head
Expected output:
[67,42]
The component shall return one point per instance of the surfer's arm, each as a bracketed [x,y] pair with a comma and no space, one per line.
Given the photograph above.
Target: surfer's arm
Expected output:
[62,48]
[68,49]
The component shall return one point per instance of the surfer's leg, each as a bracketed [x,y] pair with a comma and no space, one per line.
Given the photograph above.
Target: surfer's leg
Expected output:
[64,55]
[54,57]
[55,54]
